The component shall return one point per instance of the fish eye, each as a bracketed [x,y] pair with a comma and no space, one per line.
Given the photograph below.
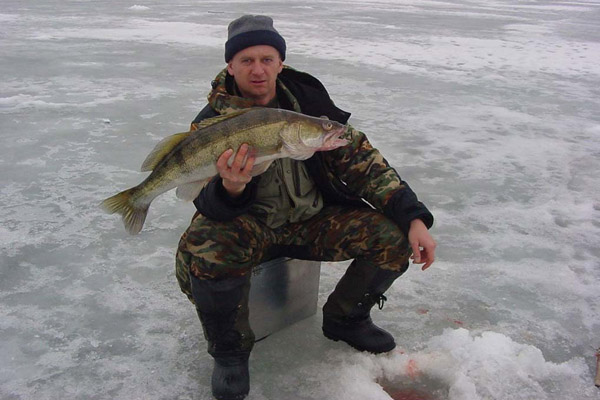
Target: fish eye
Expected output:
[327,125]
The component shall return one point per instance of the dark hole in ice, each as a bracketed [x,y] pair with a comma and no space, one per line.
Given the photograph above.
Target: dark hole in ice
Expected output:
[419,388]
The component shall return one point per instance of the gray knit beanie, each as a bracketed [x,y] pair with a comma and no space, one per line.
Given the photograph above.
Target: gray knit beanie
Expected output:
[252,30]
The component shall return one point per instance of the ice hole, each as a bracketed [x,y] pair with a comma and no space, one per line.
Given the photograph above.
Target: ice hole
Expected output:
[422,387]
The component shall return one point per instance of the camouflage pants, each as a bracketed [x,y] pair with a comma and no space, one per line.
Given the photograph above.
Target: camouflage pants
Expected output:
[215,249]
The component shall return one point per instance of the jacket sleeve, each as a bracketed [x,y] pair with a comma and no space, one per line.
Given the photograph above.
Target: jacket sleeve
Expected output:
[365,172]
[403,207]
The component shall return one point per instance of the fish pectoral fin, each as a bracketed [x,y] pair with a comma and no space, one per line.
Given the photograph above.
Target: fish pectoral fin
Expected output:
[297,152]
[302,156]
[189,191]
[265,157]
[258,169]
[162,149]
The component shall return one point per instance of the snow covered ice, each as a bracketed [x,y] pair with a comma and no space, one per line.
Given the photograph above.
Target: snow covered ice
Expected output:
[489,109]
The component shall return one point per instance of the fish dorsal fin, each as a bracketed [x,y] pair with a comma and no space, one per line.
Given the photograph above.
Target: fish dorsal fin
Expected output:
[166,145]
[163,148]
[220,118]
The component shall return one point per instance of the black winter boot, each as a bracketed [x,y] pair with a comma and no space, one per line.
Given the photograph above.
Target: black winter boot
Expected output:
[346,314]
[223,310]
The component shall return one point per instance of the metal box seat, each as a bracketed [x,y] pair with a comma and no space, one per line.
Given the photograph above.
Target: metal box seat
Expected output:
[283,291]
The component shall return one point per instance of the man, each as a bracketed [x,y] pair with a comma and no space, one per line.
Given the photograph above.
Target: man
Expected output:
[312,209]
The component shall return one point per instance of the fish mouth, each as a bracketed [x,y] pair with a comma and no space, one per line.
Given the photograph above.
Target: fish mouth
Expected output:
[334,139]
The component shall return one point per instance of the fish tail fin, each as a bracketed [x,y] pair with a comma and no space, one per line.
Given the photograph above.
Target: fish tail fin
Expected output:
[133,214]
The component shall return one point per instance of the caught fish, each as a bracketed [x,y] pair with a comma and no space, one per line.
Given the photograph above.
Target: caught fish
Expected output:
[187,161]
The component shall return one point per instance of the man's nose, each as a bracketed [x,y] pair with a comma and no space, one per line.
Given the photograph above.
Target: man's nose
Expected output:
[257,69]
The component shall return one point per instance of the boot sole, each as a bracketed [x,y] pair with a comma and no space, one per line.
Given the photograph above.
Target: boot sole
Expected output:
[356,346]
[240,397]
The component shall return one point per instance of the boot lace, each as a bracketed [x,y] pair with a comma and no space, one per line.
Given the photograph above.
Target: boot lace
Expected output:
[370,300]
[380,301]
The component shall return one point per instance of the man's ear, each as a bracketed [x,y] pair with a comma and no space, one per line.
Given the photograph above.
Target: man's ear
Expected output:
[229,69]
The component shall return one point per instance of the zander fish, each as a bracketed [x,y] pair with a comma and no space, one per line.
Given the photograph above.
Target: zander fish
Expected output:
[187,161]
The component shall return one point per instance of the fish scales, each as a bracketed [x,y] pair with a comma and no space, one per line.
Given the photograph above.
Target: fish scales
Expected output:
[187,160]
[230,134]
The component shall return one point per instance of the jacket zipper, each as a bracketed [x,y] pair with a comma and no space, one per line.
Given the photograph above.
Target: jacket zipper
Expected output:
[296,173]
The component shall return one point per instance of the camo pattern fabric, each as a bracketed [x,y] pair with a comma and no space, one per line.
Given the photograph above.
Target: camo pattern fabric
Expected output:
[223,102]
[362,169]
[212,249]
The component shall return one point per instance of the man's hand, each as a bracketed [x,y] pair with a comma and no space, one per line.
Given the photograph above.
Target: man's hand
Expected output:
[236,174]
[422,244]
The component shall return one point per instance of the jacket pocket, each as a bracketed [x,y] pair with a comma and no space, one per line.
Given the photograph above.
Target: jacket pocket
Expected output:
[269,184]
[303,183]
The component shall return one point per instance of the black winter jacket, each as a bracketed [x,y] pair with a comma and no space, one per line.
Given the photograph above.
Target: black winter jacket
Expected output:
[214,202]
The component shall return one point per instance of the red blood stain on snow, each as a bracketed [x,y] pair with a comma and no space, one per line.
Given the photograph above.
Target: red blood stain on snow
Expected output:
[412,369]
[414,372]
[455,321]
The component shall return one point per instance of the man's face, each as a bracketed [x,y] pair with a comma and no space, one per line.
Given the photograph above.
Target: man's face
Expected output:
[255,70]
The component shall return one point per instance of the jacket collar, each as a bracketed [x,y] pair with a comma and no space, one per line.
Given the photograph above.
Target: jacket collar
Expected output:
[296,91]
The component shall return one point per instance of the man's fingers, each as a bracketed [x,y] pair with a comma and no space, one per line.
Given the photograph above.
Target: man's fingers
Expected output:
[250,162]
[223,160]
[427,256]
[427,264]
[239,159]
[237,166]
[422,244]
[430,257]
[247,156]
[416,252]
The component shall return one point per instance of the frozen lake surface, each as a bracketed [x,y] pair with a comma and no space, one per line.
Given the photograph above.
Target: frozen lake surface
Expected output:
[489,109]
